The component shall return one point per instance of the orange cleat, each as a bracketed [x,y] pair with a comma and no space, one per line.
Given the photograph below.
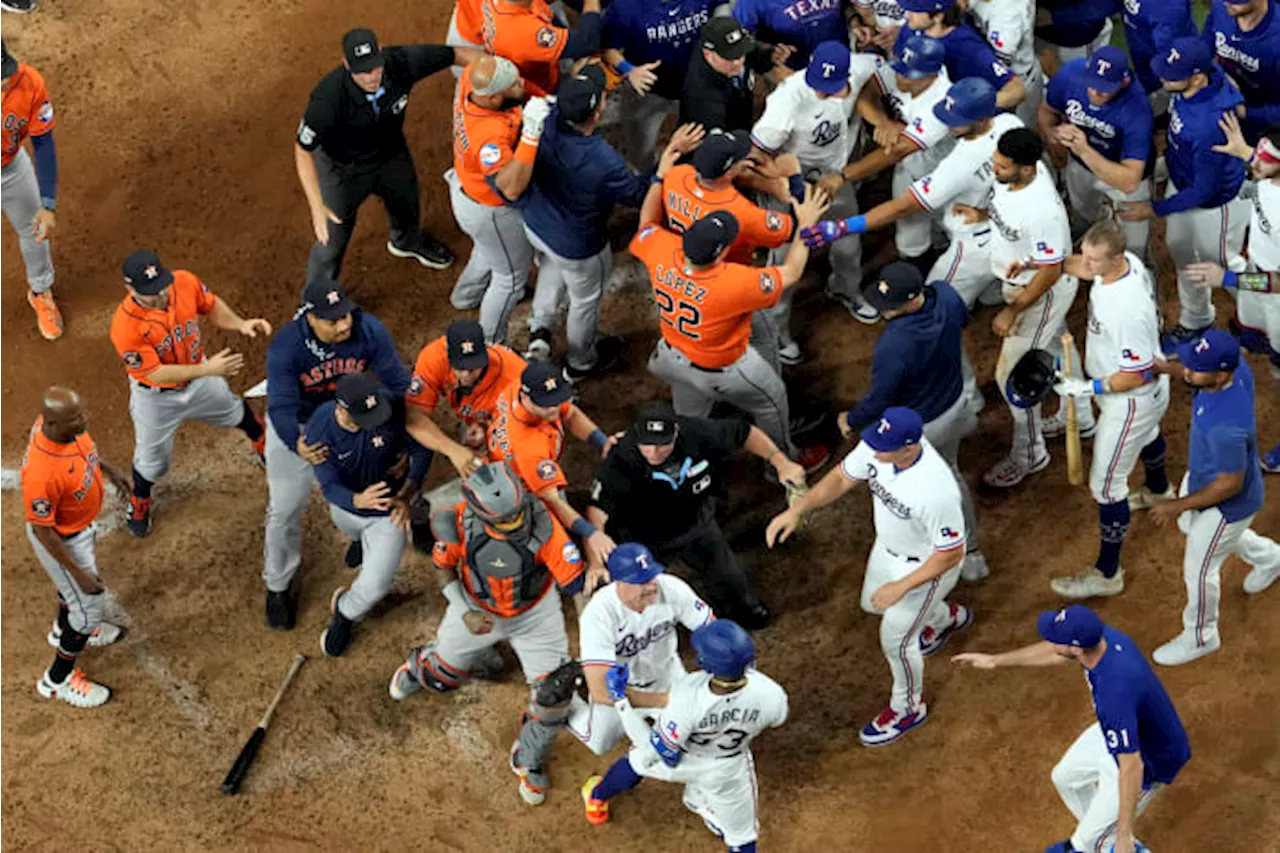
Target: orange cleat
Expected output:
[48,317]
[597,810]
[260,446]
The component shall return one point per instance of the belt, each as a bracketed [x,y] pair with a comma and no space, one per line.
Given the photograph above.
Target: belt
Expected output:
[157,389]
[698,367]
[902,557]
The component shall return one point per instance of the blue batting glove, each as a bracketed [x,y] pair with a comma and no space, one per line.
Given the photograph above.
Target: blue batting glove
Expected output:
[616,680]
[828,231]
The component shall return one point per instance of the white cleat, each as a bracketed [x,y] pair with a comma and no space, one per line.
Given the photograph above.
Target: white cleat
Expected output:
[1184,649]
[77,691]
[1090,583]
[1144,498]
[103,635]
[974,567]
[1259,579]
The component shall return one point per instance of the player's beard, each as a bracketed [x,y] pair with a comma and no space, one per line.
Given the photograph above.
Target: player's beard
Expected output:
[510,104]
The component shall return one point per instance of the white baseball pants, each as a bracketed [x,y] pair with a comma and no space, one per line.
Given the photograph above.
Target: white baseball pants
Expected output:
[721,791]
[945,432]
[1204,234]
[20,198]
[584,280]
[1093,199]
[84,611]
[157,414]
[1029,109]
[966,265]
[1126,424]
[1088,781]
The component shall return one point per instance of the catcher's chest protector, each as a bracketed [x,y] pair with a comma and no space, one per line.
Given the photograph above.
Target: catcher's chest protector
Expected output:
[508,562]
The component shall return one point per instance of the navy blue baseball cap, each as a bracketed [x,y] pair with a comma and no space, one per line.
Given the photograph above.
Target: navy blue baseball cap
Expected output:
[579,95]
[632,562]
[464,340]
[967,102]
[546,384]
[828,70]
[327,299]
[897,428]
[705,239]
[930,6]
[897,284]
[145,274]
[719,151]
[918,56]
[1182,58]
[363,398]
[1107,70]
[1076,625]
[1213,351]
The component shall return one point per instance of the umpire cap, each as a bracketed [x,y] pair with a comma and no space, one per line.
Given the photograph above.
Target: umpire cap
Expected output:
[724,649]
[1031,379]
[967,102]
[360,49]
[919,56]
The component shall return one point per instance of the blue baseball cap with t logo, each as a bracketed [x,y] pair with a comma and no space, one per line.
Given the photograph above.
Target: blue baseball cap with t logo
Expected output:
[1107,70]
[897,428]
[828,70]
[1076,625]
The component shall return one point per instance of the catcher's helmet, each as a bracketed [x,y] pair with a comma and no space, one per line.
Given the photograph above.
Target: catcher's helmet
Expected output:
[1031,379]
[631,562]
[919,56]
[724,649]
[494,492]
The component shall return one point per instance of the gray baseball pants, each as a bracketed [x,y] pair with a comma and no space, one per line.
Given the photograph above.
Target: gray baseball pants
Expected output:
[84,611]
[584,280]
[383,545]
[20,197]
[289,485]
[157,414]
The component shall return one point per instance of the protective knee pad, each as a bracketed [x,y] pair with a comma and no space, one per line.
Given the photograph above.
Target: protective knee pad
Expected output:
[431,671]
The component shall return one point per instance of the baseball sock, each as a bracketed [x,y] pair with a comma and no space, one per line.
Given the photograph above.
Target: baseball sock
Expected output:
[1153,463]
[621,777]
[141,485]
[64,625]
[1113,524]
[249,425]
[69,647]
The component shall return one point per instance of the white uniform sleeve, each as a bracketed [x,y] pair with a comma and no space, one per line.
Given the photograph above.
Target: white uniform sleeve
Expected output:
[856,462]
[595,633]
[925,130]
[862,67]
[678,720]
[1008,27]
[773,130]
[692,612]
[950,178]
[1049,229]
[944,519]
[782,708]
[1134,335]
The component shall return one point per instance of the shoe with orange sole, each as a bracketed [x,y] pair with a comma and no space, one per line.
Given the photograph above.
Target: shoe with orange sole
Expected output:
[597,811]
[48,317]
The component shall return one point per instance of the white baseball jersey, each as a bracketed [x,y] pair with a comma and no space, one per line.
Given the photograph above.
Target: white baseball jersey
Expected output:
[888,13]
[964,177]
[1124,324]
[1261,311]
[923,128]
[1030,227]
[711,727]
[917,509]
[609,632]
[1009,27]
[821,132]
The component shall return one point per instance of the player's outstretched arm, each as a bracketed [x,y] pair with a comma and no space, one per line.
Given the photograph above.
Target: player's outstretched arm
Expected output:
[1036,654]
[424,430]
[827,490]
[808,213]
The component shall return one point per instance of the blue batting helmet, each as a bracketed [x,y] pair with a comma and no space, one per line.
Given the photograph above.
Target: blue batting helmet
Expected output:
[967,102]
[724,649]
[631,562]
[919,56]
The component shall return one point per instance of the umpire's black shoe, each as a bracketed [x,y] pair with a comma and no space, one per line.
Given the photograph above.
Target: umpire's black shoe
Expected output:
[754,616]
[354,558]
[337,637]
[427,251]
[609,356]
[282,610]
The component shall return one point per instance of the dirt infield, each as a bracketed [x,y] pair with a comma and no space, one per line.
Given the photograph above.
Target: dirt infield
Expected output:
[175,133]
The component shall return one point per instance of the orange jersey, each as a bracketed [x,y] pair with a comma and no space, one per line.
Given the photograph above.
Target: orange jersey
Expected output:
[558,555]
[706,314]
[686,201]
[147,338]
[27,109]
[470,21]
[433,380]
[484,141]
[529,37]
[61,483]
[529,444]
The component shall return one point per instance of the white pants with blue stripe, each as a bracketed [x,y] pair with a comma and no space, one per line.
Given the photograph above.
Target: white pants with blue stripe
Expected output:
[1126,424]
[1204,234]
[1088,781]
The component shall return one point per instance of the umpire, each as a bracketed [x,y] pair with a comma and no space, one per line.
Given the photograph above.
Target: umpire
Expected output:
[351,145]
[659,486]
[719,89]
[917,364]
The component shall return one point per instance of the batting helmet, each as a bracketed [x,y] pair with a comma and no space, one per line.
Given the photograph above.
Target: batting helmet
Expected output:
[1031,379]
[724,649]
[494,492]
[919,56]
[631,562]
[967,102]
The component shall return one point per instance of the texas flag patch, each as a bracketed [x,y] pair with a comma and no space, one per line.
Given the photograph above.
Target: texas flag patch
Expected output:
[673,731]
[1129,355]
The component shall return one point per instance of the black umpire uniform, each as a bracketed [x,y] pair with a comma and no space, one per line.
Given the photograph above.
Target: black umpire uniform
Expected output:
[357,140]
[671,507]
[715,100]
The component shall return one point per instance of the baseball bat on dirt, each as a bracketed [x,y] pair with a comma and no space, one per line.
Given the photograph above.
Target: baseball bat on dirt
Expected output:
[231,783]
[1075,468]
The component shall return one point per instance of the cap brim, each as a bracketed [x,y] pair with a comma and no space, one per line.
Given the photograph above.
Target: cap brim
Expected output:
[375,417]
[884,302]
[818,83]
[1044,626]
[655,441]
[877,442]
[367,64]
[655,569]
[475,361]
[332,312]
[10,66]
[1164,71]
[910,74]
[951,119]
[733,52]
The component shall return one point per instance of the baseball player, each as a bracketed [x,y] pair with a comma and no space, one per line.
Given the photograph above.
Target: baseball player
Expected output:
[527,432]
[466,28]
[330,337]
[802,26]
[705,307]
[156,332]
[527,33]
[967,52]
[1073,29]
[1245,39]
[370,475]
[499,555]
[812,116]
[964,176]
[1132,397]
[702,738]
[1029,243]
[917,364]
[30,192]
[1220,494]
[1097,120]
[469,374]
[1205,218]
[912,138]
[495,141]
[62,493]
[632,622]
[915,561]
[1009,28]
[1150,26]
[1138,746]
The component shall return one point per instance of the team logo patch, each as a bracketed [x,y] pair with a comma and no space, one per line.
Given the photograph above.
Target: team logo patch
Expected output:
[41,507]
[767,282]
[646,232]
[416,384]
[440,548]
[490,154]
[133,359]
[546,37]
[773,221]
[948,533]
[925,184]
[673,730]
[571,554]
[548,470]
[46,112]
[1129,355]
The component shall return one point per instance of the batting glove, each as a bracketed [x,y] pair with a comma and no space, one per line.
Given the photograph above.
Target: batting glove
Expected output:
[830,230]
[1072,386]
[616,680]
[533,117]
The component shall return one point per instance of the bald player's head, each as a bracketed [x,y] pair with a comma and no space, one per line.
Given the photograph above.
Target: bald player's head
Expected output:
[495,82]
[63,414]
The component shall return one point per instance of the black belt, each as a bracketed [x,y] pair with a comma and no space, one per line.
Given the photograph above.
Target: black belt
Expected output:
[691,364]
[160,390]
[901,557]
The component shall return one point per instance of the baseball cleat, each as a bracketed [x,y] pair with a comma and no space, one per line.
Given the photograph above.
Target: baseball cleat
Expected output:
[429,252]
[974,567]
[282,610]
[337,637]
[48,317]
[405,682]
[260,444]
[1089,583]
[790,354]
[139,517]
[20,7]
[864,313]
[533,782]
[103,635]
[77,691]
[539,348]
[354,557]
[597,811]
[932,641]
[1007,473]
[1144,498]
[1178,337]
[889,726]
[1055,425]
[610,352]
[1184,649]
[1259,579]
[1271,460]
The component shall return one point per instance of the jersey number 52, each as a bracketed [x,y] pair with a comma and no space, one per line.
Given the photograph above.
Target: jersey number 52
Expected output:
[684,317]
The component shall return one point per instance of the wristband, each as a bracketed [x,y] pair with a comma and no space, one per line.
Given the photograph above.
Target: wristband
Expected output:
[1254,282]
[656,179]
[452,592]
[1230,279]
[625,67]
[597,439]
[856,224]
[527,150]
[1099,387]
[583,529]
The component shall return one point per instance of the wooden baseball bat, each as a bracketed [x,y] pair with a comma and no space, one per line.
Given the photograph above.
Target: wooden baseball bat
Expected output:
[1075,467]
[231,783]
